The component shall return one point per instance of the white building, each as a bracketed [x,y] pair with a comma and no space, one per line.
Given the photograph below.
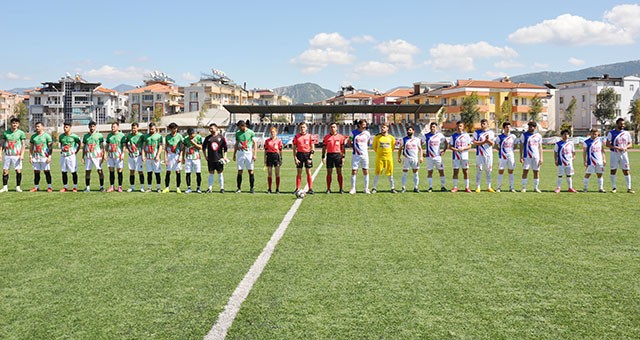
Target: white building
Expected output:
[268,97]
[585,93]
[109,105]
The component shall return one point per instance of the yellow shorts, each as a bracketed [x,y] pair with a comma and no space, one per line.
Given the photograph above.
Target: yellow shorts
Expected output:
[387,165]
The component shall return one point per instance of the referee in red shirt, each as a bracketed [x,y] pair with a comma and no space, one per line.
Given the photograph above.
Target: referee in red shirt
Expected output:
[333,154]
[303,156]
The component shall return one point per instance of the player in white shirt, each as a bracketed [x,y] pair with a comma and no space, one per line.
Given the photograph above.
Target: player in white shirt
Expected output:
[460,144]
[619,140]
[411,148]
[483,139]
[531,155]
[593,158]
[505,143]
[564,152]
[436,145]
[360,140]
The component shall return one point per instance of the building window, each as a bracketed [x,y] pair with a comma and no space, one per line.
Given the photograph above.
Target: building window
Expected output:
[158,97]
[454,102]
[561,100]
[515,101]
[193,96]
[583,98]
[524,101]
[147,97]
[444,101]
[631,87]
[37,101]
[516,116]
[136,99]
[492,116]
[492,100]
[193,107]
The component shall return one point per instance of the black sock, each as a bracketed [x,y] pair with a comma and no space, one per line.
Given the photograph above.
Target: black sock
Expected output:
[198,179]
[158,179]
[188,176]
[47,176]
[87,181]
[119,178]
[178,179]
[149,176]
[18,178]
[252,180]
[132,179]
[239,181]
[112,177]
[167,179]
[101,180]
[74,177]
[36,177]
[141,175]
[5,180]
[65,178]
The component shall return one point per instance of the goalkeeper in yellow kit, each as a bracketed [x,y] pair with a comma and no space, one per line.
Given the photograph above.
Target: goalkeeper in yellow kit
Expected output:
[383,145]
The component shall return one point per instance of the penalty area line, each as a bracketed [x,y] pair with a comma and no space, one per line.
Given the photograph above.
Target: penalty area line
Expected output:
[231,309]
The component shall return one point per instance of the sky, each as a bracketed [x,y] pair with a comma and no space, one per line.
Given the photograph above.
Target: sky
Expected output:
[268,44]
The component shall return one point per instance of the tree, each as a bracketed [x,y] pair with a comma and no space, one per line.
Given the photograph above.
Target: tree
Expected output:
[157,114]
[535,109]
[201,115]
[634,111]
[569,113]
[441,114]
[470,111]
[606,104]
[505,113]
[21,112]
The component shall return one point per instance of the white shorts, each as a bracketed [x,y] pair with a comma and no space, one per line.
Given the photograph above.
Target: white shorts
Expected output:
[565,170]
[115,163]
[192,165]
[484,163]
[509,163]
[135,163]
[598,169]
[461,163]
[90,163]
[410,163]
[619,160]
[10,161]
[172,162]
[531,163]
[245,160]
[68,164]
[360,162]
[41,165]
[435,162]
[154,166]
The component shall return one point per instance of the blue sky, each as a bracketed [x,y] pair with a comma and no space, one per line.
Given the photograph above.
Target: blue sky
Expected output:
[368,44]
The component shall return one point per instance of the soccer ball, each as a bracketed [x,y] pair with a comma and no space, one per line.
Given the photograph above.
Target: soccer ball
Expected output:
[224,161]
[300,194]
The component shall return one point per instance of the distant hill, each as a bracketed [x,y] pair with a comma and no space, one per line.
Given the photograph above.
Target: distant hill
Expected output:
[123,88]
[613,70]
[305,93]
[20,90]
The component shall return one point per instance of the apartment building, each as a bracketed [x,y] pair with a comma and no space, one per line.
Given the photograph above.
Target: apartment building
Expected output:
[157,95]
[8,103]
[214,91]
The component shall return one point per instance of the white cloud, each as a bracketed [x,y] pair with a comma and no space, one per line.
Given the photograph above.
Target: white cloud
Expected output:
[376,68]
[111,72]
[507,64]
[13,76]
[398,52]
[625,17]
[462,57]
[362,39]
[189,77]
[576,62]
[142,59]
[572,30]
[540,65]
[329,40]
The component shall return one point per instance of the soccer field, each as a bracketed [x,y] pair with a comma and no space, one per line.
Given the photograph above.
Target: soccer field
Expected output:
[428,265]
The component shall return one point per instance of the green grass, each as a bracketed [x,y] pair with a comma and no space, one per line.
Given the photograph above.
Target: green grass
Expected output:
[436,265]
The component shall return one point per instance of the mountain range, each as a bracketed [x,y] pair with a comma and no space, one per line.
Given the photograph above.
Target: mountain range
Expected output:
[613,70]
[305,93]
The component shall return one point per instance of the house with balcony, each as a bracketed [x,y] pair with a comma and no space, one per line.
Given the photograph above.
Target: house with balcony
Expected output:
[8,103]
[109,105]
[268,97]
[157,95]
[215,90]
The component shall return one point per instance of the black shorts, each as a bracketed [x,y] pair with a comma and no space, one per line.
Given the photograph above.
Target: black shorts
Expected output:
[305,160]
[274,159]
[334,160]
[215,166]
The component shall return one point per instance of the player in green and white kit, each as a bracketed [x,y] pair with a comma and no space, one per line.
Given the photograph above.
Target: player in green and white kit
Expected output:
[12,148]
[69,146]
[93,155]
[191,158]
[40,146]
[133,142]
[173,154]
[151,151]
[247,154]
[115,155]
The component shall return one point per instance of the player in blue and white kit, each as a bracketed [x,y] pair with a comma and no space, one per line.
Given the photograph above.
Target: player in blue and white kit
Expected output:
[411,148]
[564,152]
[531,155]
[619,140]
[505,143]
[360,139]
[593,158]
[436,144]
[460,144]
[483,140]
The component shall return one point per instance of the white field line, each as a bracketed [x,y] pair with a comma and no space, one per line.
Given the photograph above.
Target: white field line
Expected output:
[228,314]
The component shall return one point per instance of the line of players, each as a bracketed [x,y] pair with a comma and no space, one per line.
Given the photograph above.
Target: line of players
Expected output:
[145,150]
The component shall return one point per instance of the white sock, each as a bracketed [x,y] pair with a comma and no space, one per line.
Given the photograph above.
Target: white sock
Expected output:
[478,178]
[404,179]
[511,181]
[221,180]
[392,181]
[211,180]
[366,182]
[499,180]
[613,181]
[570,181]
[375,181]
[443,181]
[601,183]
[466,183]
[430,180]
[586,183]
[558,182]
[524,183]
[353,182]
[488,179]
[455,182]
[536,182]
[416,179]
[627,179]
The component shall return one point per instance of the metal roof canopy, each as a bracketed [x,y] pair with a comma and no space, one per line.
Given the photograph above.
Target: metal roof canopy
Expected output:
[328,109]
